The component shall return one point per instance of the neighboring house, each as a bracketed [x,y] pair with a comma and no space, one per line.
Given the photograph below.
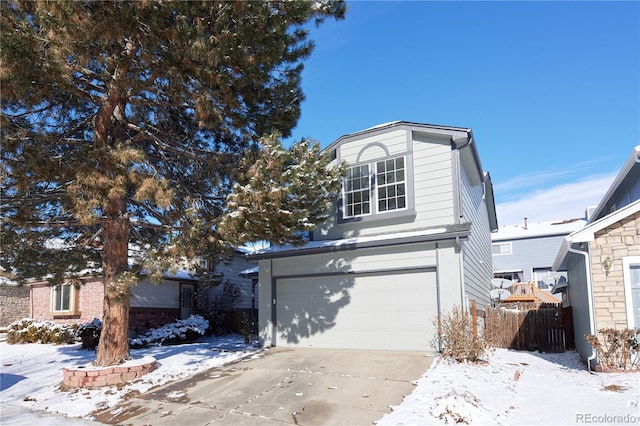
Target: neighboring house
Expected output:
[525,253]
[409,239]
[81,300]
[602,261]
[243,274]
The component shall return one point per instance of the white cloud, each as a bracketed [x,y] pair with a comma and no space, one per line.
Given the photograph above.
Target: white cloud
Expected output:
[565,201]
[532,181]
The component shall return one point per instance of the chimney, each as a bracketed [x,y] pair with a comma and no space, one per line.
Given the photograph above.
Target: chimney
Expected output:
[526,226]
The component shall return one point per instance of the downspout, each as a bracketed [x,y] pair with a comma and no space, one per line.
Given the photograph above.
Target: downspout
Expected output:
[592,325]
[438,304]
[254,323]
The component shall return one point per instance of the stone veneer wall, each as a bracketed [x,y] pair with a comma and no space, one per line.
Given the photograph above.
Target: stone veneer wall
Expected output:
[14,304]
[619,240]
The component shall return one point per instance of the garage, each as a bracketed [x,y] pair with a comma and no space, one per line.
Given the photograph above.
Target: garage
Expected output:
[393,310]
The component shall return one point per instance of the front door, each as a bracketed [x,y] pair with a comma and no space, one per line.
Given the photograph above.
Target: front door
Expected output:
[186,300]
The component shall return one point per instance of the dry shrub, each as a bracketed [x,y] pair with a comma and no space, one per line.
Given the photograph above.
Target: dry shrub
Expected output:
[456,337]
[618,348]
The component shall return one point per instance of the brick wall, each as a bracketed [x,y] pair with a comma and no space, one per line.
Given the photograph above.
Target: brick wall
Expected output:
[143,319]
[89,305]
[89,299]
[14,304]
[619,240]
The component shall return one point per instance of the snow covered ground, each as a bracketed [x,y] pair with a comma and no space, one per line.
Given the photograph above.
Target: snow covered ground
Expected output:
[520,388]
[512,388]
[31,375]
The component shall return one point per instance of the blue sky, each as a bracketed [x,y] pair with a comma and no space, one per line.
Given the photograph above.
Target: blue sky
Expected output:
[551,90]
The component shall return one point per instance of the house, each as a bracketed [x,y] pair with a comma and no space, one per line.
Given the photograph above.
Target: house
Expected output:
[152,304]
[81,300]
[525,253]
[408,240]
[602,261]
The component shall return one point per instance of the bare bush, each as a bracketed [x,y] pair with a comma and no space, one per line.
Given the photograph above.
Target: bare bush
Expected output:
[456,336]
[618,348]
[215,305]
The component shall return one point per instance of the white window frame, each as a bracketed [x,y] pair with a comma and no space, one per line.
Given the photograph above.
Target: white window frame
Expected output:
[345,192]
[56,290]
[627,263]
[374,187]
[502,244]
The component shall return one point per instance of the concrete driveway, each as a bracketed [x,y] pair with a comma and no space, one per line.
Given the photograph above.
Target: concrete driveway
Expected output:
[299,386]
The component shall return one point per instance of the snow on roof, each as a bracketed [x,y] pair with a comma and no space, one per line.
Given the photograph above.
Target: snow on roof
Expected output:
[450,231]
[538,229]
[249,272]
[7,281]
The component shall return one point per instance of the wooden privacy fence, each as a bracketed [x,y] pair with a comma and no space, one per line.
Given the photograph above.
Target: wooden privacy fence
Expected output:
[541,327]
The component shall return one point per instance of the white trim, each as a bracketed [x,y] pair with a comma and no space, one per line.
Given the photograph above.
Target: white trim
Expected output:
[55,289]
[627,262]
[632,160]
[587,234]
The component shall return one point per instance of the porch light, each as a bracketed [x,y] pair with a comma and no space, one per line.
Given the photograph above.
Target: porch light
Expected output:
[607,265]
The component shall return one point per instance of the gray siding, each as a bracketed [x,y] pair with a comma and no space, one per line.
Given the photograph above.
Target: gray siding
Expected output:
[230,271]
[527,254]
[579,301]
[430,175]
[476,251]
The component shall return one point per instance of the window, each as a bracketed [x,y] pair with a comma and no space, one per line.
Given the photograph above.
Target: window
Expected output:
[391,184]
[501,248]
[63,298]
[631,274]
[385,191]
[357,191]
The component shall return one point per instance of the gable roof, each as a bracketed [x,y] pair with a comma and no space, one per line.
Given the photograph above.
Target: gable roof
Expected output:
[630,171]
[461,139]
[587,233]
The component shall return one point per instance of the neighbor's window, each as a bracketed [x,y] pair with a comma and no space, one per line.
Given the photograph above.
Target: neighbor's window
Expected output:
[501,248]
[385,191]
[62,296]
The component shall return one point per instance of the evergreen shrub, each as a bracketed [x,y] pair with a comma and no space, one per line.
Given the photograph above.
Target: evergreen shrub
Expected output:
[28,330]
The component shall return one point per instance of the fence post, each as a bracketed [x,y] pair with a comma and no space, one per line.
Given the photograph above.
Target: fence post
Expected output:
[474,319]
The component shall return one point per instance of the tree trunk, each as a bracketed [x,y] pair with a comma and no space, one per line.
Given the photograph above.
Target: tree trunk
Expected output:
[113,347]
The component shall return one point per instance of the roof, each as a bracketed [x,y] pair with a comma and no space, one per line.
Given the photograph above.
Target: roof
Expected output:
[587,233]
[530,293]
[448,131]
[632,161]
[538,229]
[327,246]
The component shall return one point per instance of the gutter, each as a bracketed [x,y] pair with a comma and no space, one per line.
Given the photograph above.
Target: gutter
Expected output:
[592,325]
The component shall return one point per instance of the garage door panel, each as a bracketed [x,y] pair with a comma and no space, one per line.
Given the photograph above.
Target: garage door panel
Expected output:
[360,312]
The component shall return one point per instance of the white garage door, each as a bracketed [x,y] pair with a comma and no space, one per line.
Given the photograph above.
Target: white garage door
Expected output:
[394,312]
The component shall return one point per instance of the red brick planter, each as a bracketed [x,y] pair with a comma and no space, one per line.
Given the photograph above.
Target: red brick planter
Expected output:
[88,376]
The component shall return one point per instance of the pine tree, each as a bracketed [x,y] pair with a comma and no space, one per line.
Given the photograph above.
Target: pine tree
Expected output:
[125,123]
